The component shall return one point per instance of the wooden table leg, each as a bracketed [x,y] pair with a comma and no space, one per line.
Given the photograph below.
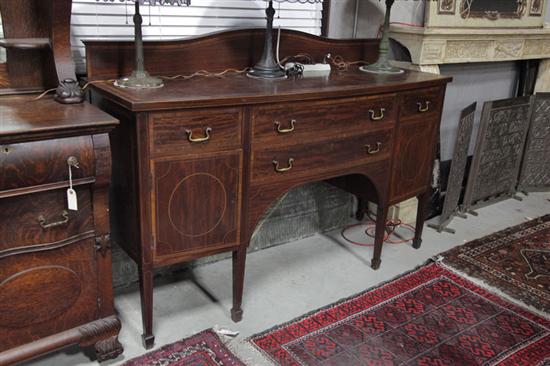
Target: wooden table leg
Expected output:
[146,292]
[381,217]
[420,218]
[362,207]
[239,261]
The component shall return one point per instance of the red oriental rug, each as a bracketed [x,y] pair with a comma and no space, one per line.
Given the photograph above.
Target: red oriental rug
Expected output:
[203,349]
[515,260]
[429,317]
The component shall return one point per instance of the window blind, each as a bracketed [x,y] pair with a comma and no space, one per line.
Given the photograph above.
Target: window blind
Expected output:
[113,20]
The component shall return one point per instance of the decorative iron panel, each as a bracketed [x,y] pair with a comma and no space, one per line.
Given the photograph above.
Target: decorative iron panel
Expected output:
[499,150]
[535,171]
[458,167]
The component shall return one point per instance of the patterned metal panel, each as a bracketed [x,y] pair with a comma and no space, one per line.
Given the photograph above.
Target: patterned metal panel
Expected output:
[499,150]
[535,171]
[458,167]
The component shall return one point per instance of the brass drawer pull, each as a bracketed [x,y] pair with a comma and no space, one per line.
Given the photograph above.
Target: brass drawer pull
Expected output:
[286,130]
[44,224]
[199,139]
[422,108]
[378,117]
[282,170]
[376,150]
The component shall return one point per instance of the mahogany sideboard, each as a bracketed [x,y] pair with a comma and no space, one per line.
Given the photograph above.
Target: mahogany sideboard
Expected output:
[198,162]
[55,263]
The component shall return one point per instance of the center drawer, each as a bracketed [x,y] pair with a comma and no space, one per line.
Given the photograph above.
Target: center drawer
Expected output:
[310,159]
[304,121]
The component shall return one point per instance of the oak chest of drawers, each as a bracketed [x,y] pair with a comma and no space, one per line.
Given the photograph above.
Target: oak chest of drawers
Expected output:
[55,263]
[200,161]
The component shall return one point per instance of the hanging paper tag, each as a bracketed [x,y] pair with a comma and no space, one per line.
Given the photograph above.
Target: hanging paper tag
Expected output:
[72,199]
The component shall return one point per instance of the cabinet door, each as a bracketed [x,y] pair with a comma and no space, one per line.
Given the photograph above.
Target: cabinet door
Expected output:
[413,158]
[196,204]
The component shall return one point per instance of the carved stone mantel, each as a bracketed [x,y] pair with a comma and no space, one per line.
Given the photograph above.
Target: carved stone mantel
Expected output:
[437,46]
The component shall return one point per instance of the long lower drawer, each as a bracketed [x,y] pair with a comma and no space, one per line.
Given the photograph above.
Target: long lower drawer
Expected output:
[310,159]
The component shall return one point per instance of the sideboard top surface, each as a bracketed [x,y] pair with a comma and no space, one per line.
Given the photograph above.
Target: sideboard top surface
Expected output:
[240,89]
[23,118]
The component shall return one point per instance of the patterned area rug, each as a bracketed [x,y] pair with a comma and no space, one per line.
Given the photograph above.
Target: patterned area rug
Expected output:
[203,349]
[515,260]
[429,317]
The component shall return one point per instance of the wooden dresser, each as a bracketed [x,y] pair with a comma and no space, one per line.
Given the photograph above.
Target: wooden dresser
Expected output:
[199,162]
[55,263]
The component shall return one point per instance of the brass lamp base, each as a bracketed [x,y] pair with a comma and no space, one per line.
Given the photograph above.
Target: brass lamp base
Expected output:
[380,68]
[140,80]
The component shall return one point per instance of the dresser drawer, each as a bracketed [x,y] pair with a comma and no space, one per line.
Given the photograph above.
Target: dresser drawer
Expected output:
[421,103]
[297,122]
[307,159]
[43,218]
[43,162]
[44,291]
[196,131]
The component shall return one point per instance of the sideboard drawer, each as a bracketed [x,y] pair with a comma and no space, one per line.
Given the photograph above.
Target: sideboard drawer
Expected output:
[421,103]
[43,218]
[295,122]
[42,162]
[196,131]
[306,159]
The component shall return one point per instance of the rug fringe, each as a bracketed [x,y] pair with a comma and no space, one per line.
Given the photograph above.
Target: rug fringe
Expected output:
[245,351]
[492,289]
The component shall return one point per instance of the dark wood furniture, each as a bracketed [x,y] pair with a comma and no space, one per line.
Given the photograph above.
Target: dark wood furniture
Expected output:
[37,37]
[198,162]
[55,264]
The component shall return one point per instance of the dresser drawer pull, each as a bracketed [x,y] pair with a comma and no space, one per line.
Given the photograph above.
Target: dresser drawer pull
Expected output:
[286,130]
[423,107]
[282,170]
[199,139]
[44,224]
[378,117]
[375,150]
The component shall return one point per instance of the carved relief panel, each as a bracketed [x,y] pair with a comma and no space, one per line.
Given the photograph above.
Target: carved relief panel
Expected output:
[196,203]
[535,171]
[499,150]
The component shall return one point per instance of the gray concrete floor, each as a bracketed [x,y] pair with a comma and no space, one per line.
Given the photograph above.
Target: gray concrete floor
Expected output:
[287,281]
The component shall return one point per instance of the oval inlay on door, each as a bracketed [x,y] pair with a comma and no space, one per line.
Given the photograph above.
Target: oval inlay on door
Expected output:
[37,295]
[197,204]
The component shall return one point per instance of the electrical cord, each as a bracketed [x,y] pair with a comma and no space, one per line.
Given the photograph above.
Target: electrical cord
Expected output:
[391,226]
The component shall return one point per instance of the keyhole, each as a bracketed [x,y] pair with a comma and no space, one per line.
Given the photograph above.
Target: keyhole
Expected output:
[6,150]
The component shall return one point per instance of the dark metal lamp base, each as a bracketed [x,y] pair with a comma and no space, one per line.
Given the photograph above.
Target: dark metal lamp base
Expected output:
[140,80]
[378,68]
[270,74]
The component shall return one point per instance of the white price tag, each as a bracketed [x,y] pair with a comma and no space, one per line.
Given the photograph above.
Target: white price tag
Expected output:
[72,199]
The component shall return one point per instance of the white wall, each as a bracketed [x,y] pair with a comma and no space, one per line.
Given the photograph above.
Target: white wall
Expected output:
[100,19]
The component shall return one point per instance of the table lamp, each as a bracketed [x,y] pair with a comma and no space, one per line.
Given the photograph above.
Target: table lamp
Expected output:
[267,67]
[382,66]
[140,79]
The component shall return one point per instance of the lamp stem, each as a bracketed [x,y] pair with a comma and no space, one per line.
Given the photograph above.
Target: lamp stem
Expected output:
[267,67]
[138,21]
[382,66]
[385,41]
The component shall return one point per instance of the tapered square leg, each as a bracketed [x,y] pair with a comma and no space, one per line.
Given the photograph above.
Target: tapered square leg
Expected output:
[381,216]
[239,262]
[420,219]
[146,292]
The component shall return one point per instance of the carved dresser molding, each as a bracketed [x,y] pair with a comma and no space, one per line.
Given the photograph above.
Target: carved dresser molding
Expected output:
[55,263]
[200,161]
